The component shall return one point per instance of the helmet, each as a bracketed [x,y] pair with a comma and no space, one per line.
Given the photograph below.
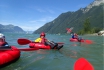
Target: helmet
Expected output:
[2,36]
[42,34]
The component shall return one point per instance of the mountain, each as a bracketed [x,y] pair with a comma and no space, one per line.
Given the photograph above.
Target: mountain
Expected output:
[11,28]
[93,11]
[95,3]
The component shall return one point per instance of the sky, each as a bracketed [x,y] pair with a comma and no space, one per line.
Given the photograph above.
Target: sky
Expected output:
[32,14]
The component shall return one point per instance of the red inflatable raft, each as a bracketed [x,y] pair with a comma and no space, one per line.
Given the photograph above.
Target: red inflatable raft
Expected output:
[7,56]
[76,40]
[42,46]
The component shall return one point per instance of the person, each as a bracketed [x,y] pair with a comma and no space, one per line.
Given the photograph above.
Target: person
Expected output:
[74,36]
[42,38]
[45,41]
[3,43]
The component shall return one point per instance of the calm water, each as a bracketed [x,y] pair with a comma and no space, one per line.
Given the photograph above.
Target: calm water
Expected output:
[63,59]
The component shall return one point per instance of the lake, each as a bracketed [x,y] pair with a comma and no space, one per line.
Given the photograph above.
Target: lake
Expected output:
[62,59]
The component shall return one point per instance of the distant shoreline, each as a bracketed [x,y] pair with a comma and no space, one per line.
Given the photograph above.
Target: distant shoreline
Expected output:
[94,34]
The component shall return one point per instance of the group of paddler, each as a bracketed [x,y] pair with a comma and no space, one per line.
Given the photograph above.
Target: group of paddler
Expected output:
[80,64]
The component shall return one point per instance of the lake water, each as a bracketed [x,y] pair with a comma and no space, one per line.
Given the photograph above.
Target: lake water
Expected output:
[62,59]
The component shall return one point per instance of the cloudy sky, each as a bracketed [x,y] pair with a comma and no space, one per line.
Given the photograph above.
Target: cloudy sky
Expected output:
[32,14]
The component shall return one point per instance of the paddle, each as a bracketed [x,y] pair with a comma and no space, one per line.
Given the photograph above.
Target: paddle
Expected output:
[23,41]
[88,41]
[69,30]
[85,41]
[21,49]
[27,49]
[83,64]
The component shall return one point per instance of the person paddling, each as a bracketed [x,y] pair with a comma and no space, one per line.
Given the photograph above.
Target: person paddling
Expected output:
[75,36]
[45,41]
[3,43]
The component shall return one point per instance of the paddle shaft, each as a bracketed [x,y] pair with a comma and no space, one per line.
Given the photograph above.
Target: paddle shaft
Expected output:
[21,49]
[23,41]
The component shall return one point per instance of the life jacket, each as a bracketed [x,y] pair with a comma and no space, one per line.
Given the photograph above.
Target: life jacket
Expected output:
[75,36]
[38,40]
[43,40]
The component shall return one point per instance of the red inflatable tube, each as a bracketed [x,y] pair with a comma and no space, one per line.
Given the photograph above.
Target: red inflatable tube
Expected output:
[8,56]
[39,45]
[42,46]
[76,40]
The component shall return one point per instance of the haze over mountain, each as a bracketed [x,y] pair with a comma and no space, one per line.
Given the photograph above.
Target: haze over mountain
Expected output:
[11,28]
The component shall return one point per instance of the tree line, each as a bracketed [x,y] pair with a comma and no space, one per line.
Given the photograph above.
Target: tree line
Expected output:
[87,29]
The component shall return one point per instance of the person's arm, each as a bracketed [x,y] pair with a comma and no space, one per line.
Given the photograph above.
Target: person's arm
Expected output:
[6,45]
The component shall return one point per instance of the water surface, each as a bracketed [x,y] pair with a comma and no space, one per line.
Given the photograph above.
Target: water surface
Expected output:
[63,59]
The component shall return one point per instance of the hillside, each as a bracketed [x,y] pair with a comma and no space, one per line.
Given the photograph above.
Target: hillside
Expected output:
[93,11]
[11,28]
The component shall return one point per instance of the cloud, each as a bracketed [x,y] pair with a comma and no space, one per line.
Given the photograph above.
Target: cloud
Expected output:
[43,10]
[42,20]
[6,23]
[46,10]
[24,26]
[29,28]
[31,25]
[51,11]
[40,10]
[35,24]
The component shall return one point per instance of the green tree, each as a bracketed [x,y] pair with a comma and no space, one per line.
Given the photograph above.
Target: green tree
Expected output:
[87,27]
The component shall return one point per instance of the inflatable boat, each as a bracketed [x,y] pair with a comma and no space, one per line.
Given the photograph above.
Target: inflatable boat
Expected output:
[8,55]
[42,46]
[76,40]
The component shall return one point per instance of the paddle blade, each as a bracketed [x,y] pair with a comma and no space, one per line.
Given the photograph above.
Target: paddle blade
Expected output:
[82,64]
[23,41]
[28,49]
[88,42]
[69,29]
